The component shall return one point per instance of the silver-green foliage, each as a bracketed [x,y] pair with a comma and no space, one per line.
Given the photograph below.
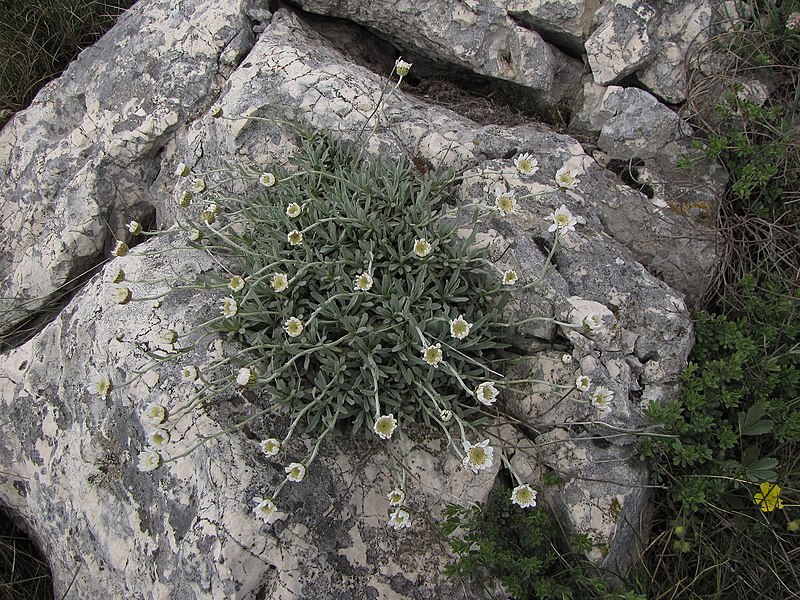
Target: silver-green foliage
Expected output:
[360,352]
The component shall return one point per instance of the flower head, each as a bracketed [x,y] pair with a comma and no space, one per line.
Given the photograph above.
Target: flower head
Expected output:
[446,415]
[295,472]
[122,295]
[265,509]
[246,377]
[198,186]
[279,282]
[158,438]
[593,322]
[422,248]
[486,393]
[215,111]
[294,237]
[401,67]
[384,426]
[181,170]
[562,219]
[168,336]
[209,217]
[583,383]
[768,498]
[267,179]
[293,209]
[510,277]
[154,414]
[185,199]
[566,358]
[270,446]
[229,307]
[363,282]
[601,399]
[396,497]
[189,373]
[149,460]
[134,227]
[478,456]
[293,327]
[524,496]
[459,328]
[116,275]
[432,355]
[793,21]
[399,519]
[236,284]
[566,179]
[121,249]
[526,164]
[100,385]
[504,201]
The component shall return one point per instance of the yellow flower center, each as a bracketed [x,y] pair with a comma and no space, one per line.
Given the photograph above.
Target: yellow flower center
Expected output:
[477,455]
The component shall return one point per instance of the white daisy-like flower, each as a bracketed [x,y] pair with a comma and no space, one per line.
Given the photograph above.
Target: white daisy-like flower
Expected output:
[504,201]
[121,249]
[198,186]
[190,373]
[181,170]
[459,328]
[149,460]
[99,385]
[229,307]
[433,355]
[478,456]
[215,111]
[601,399]
[208,217]
[122,295]
[236,284]
[384,426]
[195,234]
[279,282]
[566,358]
[399,519]
[168,336]
[185,199]
[116,275]
[422,248]
[265,509]
[396,497]
[134,227]
[246,377]
[524,496]
[293,210]
[293,327]
[510,277]
[295,472]
[583,383]
[267,179]
[401,67]
[363,282]
[486,393]
[526,164]
[158,438]
[566,179]
[154,414]
[593,322]
[294,237]
[562,219]
[270,446]
[446,415]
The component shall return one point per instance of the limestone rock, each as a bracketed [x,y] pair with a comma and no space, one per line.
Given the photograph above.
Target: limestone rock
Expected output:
[188,530]
[621,40]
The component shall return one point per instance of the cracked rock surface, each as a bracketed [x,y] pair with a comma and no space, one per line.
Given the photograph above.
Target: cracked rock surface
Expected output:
[99,147]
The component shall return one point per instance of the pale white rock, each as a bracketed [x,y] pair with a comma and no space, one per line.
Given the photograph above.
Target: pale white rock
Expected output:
[620,42]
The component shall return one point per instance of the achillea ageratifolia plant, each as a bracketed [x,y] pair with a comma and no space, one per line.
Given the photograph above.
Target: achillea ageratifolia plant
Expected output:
[357,302]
